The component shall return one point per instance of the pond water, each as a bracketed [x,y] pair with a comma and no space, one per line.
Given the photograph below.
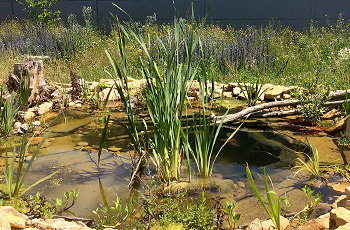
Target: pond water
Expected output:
[72,153]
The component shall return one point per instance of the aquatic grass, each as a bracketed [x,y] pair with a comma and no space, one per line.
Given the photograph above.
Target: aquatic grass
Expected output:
[166,92]
[252,91]
[273,199]
[21,172]
[311,166]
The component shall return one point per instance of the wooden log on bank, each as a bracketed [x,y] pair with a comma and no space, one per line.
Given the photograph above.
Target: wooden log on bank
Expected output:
[30,71]
[255,109]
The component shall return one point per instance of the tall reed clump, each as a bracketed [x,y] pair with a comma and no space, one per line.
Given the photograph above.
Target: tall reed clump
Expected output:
[165,93]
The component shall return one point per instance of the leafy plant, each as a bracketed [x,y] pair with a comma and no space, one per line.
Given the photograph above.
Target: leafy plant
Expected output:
[23,93]
[344,140]
[274,200]
[38,206]
[233,216]
[41,10]
[19,177]
[8,114]
[116,215]
[63,206]
[310,203]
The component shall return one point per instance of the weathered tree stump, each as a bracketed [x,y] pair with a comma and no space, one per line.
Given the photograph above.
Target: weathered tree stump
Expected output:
[24,71]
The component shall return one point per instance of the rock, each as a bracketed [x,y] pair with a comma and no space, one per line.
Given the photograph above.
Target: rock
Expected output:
[255,225]
[113,96]
[57,224]
[17,125]
[83,143]
[344,227]
[227,94]
[236,91]
[240,184]
[268,224]
[347,192]
[321,209]
[325,220]
[289,89]
[339,202]
[29,115]
[340,216]
[275,92]
[16,219]
[347,129]
[36,123]
[339,126]
[44,107]
[22,129]
[286,96]
[114,149]
[35,140]
[331,114]
[71,104]
[4,223]
[312,225]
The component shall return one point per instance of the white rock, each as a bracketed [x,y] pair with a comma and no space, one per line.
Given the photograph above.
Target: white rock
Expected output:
[255,225]
[4,223]
[268,224]
[347,192]
[36,123]
[16,219]
[17,125]
[29,115]
[236,91]
[275,92]
[71,104]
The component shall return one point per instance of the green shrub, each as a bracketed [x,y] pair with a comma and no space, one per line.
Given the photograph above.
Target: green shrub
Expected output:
[41,10]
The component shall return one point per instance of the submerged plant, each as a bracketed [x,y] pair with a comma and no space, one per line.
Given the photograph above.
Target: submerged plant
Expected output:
[274,200]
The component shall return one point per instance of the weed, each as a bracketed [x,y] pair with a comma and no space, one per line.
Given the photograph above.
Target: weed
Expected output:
[312,166]
[8,114]
[344,139]
[310,204]
[233,216]
[252,92]
[46,16]
[274,200]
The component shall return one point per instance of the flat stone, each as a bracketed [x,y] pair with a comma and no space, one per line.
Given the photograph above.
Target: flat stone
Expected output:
[16,219]
[268,224]
[275,92]
[58,224]
[241,184]
[339,126]
[227,94]
[236,91]
[312,225]
[16,125]
[113,96]
[325,219]
[331,114]
[347,192]
[340,216]
[82,143]
[114,149]
[286,96]
[29,115]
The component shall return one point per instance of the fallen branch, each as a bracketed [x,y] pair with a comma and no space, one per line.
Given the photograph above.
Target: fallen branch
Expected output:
[254,109]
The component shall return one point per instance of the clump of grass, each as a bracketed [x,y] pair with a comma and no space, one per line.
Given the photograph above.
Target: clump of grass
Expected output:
[8,114]
[312,165]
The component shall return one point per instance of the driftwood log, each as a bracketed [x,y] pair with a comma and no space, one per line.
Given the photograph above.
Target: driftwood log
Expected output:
[24,71]
[255,111]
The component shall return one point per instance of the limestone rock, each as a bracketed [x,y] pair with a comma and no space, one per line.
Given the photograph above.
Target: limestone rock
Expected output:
[16,219]
[331,114]
[44,107]
[16,125]
[325,219]
[255,225]
[340,216]
[113,96]
[275,92]
[227,94]
[29,115]
[286,96]
[268,224]
[347,192]
[58,224]
[4,223]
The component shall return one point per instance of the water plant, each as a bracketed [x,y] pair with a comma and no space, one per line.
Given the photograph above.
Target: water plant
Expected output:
[312,165]
[274,201]
[344,139]
[233,216]
[310,203]
[165,93]
[15,177]
[8,114]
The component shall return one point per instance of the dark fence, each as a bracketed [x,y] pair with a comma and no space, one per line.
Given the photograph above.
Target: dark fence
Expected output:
[294,13]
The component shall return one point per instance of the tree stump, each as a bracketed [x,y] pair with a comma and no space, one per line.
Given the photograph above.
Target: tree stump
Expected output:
[32,70]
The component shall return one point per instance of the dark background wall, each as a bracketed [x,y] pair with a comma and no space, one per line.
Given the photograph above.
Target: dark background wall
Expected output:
[294,13]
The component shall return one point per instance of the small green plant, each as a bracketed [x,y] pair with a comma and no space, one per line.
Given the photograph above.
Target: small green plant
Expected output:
[233,216]
[23,93]
[41,10]
[344,140]
[312,165]
[116,215]
[310,203]
[252,92]
[274,200]
[21,172]
[312,101]
[63,206]
[8,115]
